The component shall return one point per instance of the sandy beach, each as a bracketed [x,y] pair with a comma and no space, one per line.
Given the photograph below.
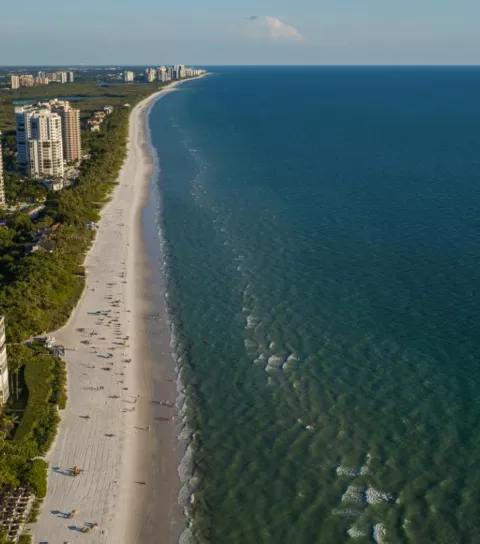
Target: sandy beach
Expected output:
[117,426]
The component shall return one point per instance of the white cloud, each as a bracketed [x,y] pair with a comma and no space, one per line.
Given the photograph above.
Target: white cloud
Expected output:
[272,28]
[279,30]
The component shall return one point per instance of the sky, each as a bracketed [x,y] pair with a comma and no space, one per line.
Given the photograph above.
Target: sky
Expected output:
[222,32]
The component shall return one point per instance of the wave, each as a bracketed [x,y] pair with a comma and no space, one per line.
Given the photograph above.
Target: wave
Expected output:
[189,478]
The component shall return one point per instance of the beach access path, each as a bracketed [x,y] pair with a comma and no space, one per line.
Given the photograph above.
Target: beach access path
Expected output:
[106,418]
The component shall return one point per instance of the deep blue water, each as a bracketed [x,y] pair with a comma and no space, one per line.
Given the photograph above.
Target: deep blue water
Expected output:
[322,239]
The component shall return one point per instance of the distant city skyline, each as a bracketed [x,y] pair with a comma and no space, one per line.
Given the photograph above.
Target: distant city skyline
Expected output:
[252,32]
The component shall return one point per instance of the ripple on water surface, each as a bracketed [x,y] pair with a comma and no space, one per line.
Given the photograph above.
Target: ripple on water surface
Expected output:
[325,335]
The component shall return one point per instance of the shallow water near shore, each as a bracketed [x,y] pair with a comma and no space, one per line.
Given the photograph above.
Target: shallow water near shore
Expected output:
[321,240]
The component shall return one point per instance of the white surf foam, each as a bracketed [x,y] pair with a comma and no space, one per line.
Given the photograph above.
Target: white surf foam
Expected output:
[274,363]
[252,321]
[380,533]
[346,471]
[373,496]
[354,495]
[345,512]
[356,531]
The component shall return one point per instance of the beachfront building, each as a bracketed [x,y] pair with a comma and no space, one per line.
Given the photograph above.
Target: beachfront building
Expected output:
[45,145]
[70,77]
[128,76]
[150,74]
[14,82]
[2,186]
[71,134]
[4,388]
[39,141]
[22,126]
[162,74]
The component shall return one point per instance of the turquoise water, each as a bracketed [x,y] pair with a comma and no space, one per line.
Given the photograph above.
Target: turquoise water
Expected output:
[322,244]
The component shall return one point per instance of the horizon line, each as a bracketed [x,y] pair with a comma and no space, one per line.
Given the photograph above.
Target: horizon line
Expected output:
[328,65]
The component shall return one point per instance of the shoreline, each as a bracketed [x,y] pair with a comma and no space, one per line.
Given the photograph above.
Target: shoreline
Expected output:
[108,427]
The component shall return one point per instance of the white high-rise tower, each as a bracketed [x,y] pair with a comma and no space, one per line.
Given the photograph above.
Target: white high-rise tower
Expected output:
[45,145]
[39,141]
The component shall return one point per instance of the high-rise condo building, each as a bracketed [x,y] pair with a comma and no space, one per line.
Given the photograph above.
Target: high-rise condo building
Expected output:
[162,74]
[129,76]
[26,80]
[70,77]
[52,76]
[150,74]
[4,387]
[22,126]
[14,82]
[45,147]
[62,77]
[71,135]
[39,141]
[2,187]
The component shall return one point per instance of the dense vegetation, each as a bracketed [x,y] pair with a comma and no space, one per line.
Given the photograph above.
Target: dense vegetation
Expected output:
[39,290]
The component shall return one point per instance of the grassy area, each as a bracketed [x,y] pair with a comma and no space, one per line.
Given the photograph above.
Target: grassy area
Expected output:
[40,417]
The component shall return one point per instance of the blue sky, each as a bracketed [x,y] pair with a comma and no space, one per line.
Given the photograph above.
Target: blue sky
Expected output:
[219,32]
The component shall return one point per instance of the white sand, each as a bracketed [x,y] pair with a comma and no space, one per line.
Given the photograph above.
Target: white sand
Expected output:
[106,444]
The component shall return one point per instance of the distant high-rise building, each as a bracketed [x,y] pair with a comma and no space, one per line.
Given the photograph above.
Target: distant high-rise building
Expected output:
[42,80]
[41,74]
[70,77]
[23,128]
[14,82]
[2,187]
[39,141]
[4,387]
[162,74]
[150,74]
[170,74]
[71,135]
[52,76]
[26,80]
[62,77]
[128,76]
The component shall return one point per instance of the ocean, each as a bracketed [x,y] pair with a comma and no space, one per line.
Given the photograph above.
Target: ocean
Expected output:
[321,237]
